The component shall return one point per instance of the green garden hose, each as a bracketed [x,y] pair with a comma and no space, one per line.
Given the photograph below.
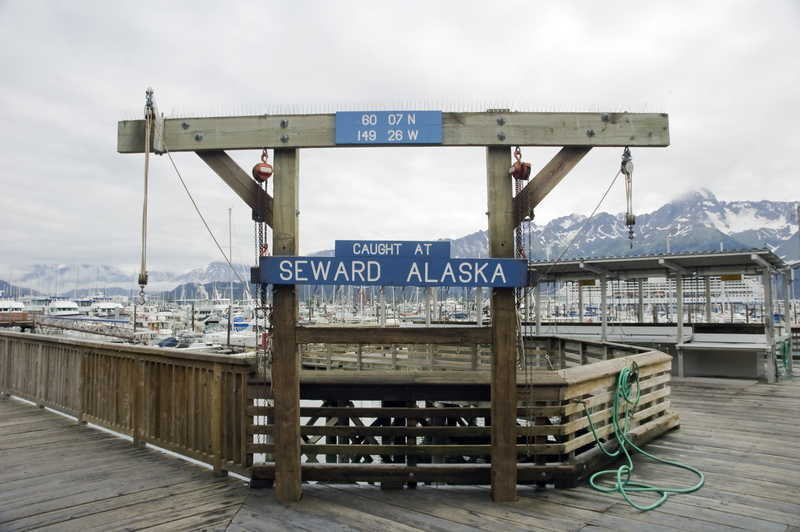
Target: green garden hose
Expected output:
[627,378]
[786,352]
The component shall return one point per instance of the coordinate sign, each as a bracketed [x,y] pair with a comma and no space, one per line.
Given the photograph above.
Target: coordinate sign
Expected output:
[389,127]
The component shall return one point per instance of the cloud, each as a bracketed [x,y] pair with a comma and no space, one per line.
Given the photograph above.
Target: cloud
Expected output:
[726,72]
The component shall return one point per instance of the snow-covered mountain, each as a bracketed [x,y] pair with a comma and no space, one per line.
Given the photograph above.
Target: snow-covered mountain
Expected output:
[694,222]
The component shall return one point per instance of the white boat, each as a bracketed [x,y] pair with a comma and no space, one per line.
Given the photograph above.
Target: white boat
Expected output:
[7,304]
[59,306]
[190,341]
[247,338]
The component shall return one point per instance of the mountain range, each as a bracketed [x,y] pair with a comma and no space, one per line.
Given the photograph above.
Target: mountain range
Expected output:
[696,221]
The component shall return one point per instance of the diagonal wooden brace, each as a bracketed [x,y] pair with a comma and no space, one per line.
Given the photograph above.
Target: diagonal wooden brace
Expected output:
[546,180]
[240,182]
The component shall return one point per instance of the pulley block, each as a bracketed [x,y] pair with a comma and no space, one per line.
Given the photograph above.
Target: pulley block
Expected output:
[263,170]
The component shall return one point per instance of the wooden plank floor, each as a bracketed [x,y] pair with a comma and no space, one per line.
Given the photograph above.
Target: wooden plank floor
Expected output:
[743,435]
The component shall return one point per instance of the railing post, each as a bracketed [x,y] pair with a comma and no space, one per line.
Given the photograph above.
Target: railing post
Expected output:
[39,392]
[216,420]
[82,363]
[137,416]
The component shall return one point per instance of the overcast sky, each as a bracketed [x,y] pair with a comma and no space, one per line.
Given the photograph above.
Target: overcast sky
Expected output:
[727,73]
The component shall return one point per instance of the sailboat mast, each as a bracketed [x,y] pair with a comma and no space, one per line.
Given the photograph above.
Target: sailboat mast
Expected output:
[230,252]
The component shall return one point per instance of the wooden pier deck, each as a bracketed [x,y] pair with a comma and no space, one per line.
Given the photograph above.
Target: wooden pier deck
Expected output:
[744,436]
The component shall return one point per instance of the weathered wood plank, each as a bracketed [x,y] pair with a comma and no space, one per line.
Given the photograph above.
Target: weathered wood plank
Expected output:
[458,129]
[393,335]
[240,182]
[546,180]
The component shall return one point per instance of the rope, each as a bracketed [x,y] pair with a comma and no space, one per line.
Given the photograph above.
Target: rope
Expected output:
[196,208]
[149,118]
[582,227]
[627,377]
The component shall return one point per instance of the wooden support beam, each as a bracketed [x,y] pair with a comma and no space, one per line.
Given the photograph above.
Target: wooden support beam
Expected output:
[285,363]
[382,335]
[504,370]
[546,180]
[458,129]
[240,182]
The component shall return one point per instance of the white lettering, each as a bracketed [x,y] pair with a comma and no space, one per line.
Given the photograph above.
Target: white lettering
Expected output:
[340,269]
[412,134]
[427,249]
[479,271]
[286,270]
[356,250]
[418,251]
[358,268]
[465,272]
[427,280]
[448,270]
[298,270]
[413,271]
[499,271]
[321,269]
[412,119]
[377,275]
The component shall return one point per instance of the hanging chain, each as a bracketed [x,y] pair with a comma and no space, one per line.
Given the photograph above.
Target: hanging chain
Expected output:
[627,168]
[521,171]
[261,173]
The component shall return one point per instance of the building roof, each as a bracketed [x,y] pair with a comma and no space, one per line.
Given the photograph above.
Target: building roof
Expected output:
[705,263]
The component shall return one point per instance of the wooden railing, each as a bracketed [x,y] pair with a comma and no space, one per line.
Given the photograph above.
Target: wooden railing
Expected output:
[423,426]
[380,426]
[358,351]
[192,404]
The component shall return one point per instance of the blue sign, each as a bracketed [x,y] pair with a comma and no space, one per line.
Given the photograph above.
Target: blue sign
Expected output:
[383,271]
[391,248]
[389,127]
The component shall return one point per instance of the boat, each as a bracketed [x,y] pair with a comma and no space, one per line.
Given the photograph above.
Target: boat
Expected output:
[189,341]
[8,304]
[61,306]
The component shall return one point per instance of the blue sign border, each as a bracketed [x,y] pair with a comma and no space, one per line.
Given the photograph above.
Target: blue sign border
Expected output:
[383,271]
[388,128]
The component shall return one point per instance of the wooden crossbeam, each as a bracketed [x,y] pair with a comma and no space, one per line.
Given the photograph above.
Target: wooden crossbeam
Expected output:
[458,129]
[546,180]
[405,335]
[240,182]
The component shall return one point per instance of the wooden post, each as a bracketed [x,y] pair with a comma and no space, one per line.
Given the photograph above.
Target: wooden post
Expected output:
[640,294]
[285,367]
[82,386]
[216,421]
[679,304]
[769,324]
[603,309]
[504,375]
[537,298]
[138,402]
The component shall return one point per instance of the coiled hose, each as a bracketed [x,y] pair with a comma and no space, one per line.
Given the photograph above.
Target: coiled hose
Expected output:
[629,376]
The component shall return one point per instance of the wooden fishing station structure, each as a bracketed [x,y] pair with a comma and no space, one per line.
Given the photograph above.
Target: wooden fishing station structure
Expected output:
[450,406]
[497,131]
